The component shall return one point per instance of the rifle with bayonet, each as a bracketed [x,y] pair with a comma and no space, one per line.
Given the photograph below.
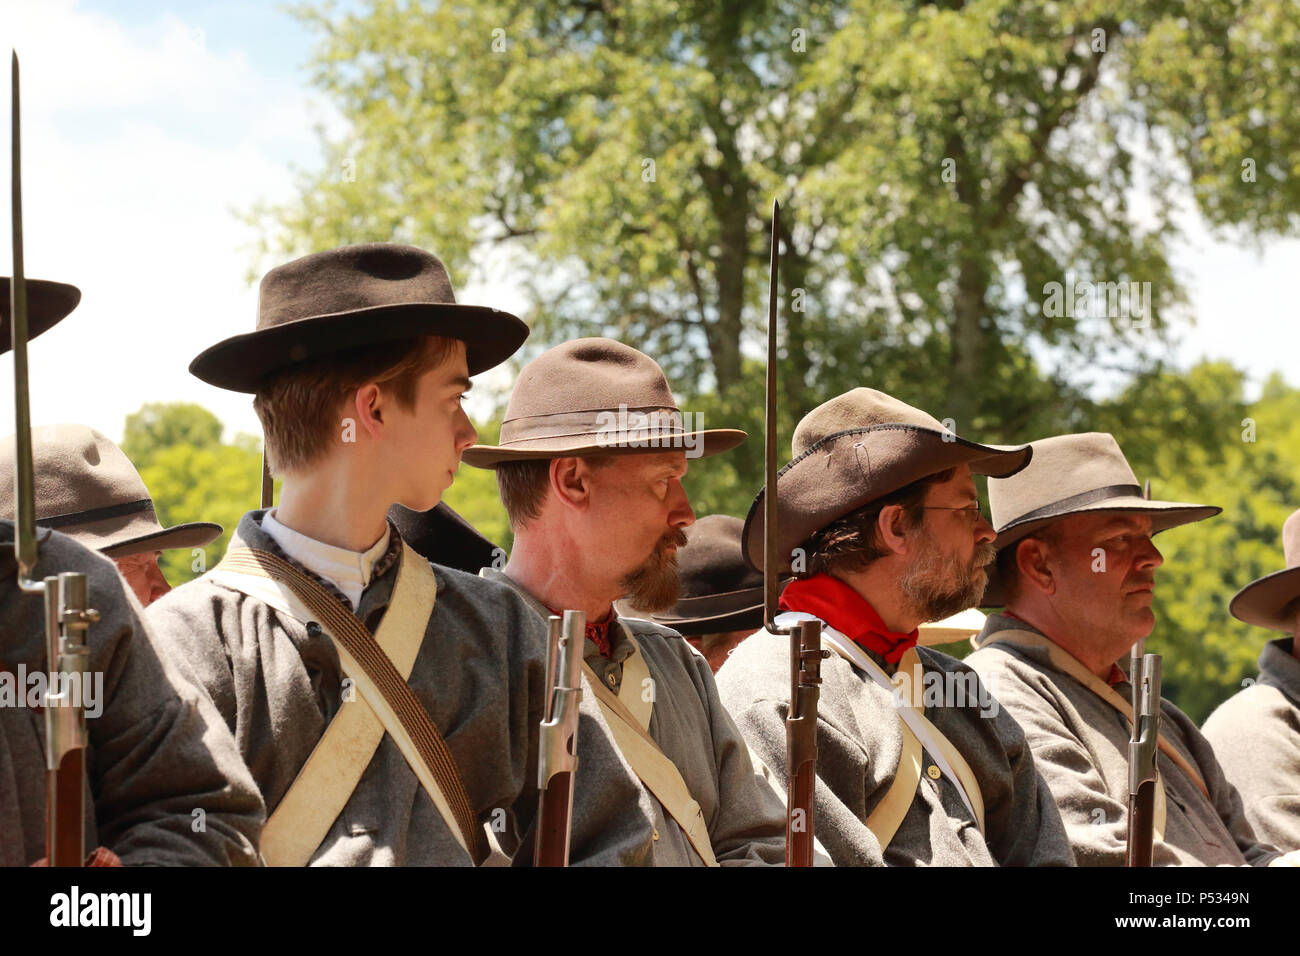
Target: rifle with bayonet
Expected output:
[68,615]
[557,760]
[1144,681]
[806,636]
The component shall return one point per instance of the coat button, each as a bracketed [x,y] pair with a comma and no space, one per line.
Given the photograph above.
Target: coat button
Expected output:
[934,772]
[611,679]
[655,833]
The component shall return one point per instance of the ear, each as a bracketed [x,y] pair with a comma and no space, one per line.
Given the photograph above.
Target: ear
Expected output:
[1032,561]
[368,405]
[891,524]
[570,479]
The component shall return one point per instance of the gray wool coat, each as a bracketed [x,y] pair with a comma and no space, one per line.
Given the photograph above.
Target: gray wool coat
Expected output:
[859,744]
[1256,736]
[479,673]
[1081,744]
[744,815]
[157,750]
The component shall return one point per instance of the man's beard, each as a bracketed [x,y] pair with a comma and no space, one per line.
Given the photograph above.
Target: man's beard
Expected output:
[939,585]
[655,586]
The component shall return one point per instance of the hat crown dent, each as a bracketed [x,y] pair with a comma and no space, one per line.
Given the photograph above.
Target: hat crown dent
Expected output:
[1062,466]
[602,374]
[77,469]
[365,276]
[856,409]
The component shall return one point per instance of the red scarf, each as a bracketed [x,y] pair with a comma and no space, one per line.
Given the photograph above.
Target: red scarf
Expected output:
[848,612]
[597,633]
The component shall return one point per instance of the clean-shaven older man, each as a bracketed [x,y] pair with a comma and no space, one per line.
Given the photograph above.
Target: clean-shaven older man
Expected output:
[916,764]
[88,489]
[1256,732]
[158,751]
[592,453]
[1076,571]
[387,707]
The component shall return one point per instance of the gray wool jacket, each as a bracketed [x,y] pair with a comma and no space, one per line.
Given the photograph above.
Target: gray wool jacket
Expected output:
[1256,736]
[1081,744]
[165,785]
[479,673]
[859,743]
[744,815]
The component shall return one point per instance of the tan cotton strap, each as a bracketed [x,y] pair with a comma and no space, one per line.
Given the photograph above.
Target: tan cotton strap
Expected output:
[1064,661]
[651,764]
[382,687]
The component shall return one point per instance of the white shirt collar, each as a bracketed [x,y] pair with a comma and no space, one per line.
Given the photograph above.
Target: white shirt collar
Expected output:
[349,571]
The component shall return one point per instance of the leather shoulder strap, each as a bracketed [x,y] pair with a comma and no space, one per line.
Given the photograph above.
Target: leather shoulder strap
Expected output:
[651,764]
[1068,663]
[381,685]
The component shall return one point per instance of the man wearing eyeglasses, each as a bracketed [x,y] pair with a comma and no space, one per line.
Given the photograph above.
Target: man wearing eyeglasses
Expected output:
[917,764]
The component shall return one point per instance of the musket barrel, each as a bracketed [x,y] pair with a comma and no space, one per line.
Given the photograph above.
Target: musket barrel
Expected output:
[771,565]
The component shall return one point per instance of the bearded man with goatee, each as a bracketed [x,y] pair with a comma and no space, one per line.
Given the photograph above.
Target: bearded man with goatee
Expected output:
[881,527]
[589,467]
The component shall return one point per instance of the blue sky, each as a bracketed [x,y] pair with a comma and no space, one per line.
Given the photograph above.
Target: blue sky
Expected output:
[147,124]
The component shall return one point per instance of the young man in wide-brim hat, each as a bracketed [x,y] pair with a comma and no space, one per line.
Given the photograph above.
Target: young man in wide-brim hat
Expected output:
[358,367]
[1256,732]
[879,521]
[89,490]
[158,752]
[589,465]
[1076,571]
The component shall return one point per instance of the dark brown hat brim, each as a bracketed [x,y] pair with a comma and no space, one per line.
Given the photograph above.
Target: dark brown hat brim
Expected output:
[195,534]
[1265,601]
[1164,515]
[820,486]
[711,441]
[242,362]
[48,303]
[715,613]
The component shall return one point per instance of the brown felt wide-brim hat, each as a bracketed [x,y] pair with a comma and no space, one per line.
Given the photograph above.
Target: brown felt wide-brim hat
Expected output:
[48,303]
[715,613]
[593,397]
[331,302]
[1074,474]
[855,449]
[88,489]
[1271,601]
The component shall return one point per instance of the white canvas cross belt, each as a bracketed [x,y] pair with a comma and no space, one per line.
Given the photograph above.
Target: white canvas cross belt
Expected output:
[628,716]
[307,811]
[917,732]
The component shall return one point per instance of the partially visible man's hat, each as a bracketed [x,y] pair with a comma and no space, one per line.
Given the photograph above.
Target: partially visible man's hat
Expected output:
[1270,601]
[856,448]
[47,304]
[89,490]
[1074,474]
[595,397]
[350,297]
[444,537]
[720,592]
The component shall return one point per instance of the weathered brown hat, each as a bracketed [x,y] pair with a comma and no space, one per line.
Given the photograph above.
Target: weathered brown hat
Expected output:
[354,296]
[1270,601]
[1073,474]
[720,592]
[595,397]
[854,449]
[47,304]
[89,490]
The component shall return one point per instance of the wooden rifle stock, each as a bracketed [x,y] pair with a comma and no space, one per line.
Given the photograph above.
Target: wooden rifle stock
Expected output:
[557,760]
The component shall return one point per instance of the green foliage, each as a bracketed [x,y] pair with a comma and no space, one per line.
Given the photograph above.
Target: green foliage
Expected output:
[193,476]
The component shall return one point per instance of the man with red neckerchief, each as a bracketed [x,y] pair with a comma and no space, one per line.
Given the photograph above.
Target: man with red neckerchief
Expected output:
[916,763]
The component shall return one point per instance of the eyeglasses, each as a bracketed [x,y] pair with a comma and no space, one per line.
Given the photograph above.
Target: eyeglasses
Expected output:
[973,512]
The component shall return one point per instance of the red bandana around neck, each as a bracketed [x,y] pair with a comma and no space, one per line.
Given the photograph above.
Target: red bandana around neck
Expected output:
[848,612]
[597,633]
